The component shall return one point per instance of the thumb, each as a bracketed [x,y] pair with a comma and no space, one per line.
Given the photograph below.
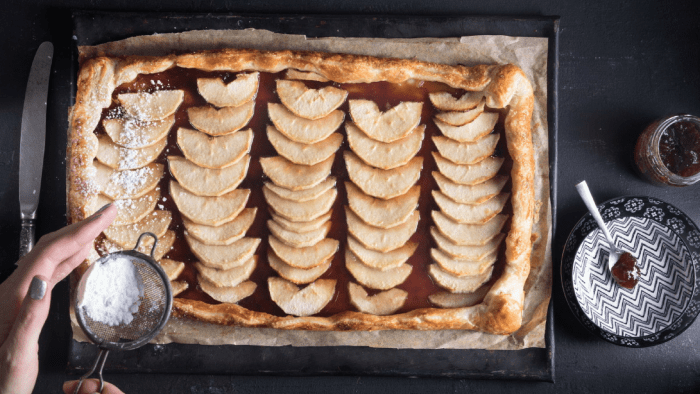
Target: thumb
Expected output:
[31,318]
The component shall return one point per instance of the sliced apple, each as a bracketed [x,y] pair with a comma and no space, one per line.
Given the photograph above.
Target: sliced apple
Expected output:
[301,211]
[165,244]
[224,121]
[295,176]
[474,194]
[151,106]
[301,226]
[469,234]
[471,214]
[229,277]
[225,234]
[385,126]
[462,267]
[466,252]
[380,239]
[303,130]
[224,257]
[172,268]
[445,101]
[309,103]
[460,118]
[237,92]
[128,210]
[114,156]
[381,260]
[384,184]
[469,174]
[214,152]
[229,295]
[457,284]
[137,134]
[382,213]
[445,299]
[466,152]
[305,302]
[128,183]
[384,303]
[382,154]
[304,194]
[306,154]
[156,222]
[470,132]
[209,211]
[208,181]
[297,239]
[178,286]
[297,275]
[304,258]
[374,278]
[304,75]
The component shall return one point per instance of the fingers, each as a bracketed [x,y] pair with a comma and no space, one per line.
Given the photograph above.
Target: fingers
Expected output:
[71,239]
[58,247]
[68,265]
[23,339]
[90,386]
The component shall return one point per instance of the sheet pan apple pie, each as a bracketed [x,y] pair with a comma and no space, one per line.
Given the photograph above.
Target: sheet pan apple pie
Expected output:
[316,191]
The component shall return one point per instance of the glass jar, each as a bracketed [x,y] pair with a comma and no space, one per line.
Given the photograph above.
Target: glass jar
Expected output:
[648,155]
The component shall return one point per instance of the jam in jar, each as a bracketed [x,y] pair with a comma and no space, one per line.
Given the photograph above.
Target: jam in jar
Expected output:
[668,151]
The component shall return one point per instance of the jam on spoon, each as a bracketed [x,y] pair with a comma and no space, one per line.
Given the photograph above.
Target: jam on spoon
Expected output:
[626,271]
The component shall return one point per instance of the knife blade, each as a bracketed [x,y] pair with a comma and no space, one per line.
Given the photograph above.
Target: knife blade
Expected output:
[31,145]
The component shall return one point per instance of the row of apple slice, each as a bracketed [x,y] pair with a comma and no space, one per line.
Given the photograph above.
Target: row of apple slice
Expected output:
[382,201]
[301,194]
[126,175]
[468,225]
[216,160]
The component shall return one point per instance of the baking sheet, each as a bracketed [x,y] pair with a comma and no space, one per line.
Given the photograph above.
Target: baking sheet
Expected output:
[529,54]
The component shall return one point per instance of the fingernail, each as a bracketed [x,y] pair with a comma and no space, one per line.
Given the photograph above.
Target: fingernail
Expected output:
[98,213]
[37,290]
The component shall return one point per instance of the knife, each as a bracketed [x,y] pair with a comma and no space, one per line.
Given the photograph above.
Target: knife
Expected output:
[31,145]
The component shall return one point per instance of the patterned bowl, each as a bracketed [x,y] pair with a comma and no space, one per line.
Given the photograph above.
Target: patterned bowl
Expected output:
[666,300]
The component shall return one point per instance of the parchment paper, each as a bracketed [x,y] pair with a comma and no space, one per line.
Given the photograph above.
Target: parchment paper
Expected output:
[530,54]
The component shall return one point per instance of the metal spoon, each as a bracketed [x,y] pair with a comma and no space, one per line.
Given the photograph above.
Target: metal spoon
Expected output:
[587,198]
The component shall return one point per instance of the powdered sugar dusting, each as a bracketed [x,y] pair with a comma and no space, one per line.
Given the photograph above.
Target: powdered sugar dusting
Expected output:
[128,158]
[113,292]
[125,204]
[131,181]
[132,135]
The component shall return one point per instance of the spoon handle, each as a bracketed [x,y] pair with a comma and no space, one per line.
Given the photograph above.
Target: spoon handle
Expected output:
[587,198]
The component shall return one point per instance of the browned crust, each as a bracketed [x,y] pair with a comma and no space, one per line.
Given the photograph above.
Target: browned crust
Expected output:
[503,86]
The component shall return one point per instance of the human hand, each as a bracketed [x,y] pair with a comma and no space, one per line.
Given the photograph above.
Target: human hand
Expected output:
[90,386]
[25,297]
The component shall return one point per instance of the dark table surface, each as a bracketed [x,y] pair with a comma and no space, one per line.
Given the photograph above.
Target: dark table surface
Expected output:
[622,64]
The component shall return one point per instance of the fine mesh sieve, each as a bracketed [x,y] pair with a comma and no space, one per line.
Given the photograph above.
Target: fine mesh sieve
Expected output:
[152,314]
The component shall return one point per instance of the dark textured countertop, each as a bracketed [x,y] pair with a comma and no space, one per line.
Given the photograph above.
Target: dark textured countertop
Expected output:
[622,64]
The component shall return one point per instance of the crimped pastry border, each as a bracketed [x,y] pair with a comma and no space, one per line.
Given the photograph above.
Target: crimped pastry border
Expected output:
[503,86]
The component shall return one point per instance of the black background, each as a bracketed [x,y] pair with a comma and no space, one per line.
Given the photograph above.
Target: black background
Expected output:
[622,64]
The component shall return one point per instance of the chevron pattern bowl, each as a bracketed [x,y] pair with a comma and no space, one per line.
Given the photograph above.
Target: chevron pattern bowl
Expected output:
[666,300]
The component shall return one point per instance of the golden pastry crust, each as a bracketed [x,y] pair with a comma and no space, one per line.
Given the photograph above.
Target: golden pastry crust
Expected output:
[503,86]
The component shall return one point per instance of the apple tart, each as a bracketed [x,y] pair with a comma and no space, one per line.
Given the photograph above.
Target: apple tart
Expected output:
[314,191]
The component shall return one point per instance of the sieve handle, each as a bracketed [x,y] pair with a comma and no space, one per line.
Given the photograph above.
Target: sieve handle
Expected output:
[99,363]
[155,242]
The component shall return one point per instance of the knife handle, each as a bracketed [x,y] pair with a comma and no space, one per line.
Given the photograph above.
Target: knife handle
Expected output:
[26,236]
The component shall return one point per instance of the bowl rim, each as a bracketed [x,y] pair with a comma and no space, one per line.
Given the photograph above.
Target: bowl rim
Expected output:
[678,326]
